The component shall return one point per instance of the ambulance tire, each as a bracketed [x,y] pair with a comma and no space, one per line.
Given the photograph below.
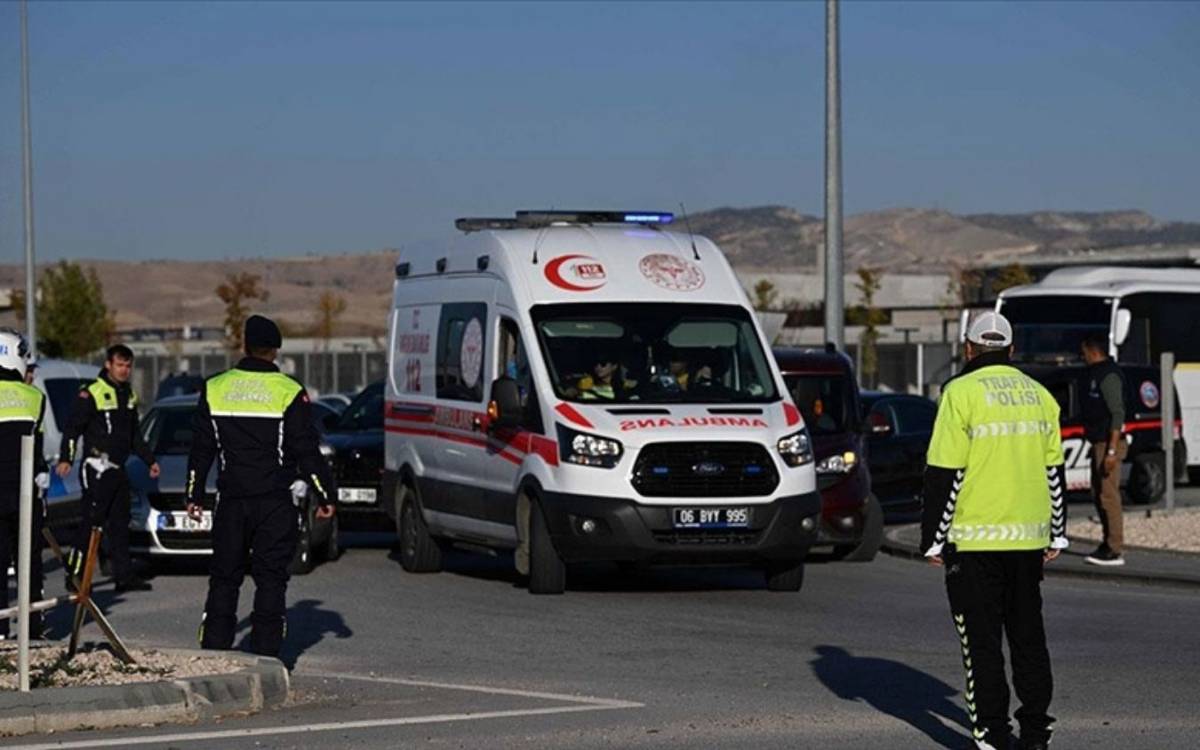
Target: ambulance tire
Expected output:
[547,571]
[419,551]
[872,537]
[1147,479]
[785,576]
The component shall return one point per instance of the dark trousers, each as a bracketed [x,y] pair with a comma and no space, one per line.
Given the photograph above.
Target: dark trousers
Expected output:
[261,531]
[995,594]
[9,530]
[105,504]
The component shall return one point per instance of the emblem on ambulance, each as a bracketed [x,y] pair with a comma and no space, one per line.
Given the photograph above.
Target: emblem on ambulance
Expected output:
[672,272]
[471,353]
[576,273]
[1149,393]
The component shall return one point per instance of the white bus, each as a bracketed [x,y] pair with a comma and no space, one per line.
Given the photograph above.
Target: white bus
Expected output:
[1144,312]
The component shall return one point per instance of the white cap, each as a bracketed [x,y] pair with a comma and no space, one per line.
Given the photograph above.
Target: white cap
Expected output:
[991,330]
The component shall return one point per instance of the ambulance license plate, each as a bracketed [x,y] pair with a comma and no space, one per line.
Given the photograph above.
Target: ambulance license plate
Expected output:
[187,523]
[711,518]
[356,494]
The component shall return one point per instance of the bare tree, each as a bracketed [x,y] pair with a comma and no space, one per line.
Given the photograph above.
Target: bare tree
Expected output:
[236,291]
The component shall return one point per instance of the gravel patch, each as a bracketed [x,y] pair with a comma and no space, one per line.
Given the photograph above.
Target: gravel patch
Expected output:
[1178,532]
[49,666]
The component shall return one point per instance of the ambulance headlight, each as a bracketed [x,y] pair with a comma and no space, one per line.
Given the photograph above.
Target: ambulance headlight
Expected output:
[841,463]
[796,449]
[588,450]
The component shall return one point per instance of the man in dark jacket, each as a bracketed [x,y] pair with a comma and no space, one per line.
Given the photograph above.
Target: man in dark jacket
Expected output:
[258,421]
[1103,421]
[22,408]
[105,415]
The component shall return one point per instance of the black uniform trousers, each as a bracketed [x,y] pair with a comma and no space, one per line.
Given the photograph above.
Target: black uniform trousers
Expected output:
[105,504]
[995,594]
[9,530]
[262,531]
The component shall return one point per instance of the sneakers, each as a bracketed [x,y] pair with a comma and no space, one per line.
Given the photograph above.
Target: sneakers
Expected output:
[1104,556]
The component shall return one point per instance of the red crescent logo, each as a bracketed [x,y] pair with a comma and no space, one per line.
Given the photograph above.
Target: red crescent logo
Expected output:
[555,277]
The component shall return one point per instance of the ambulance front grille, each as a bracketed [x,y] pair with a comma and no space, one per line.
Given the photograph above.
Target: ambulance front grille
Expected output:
[715,469]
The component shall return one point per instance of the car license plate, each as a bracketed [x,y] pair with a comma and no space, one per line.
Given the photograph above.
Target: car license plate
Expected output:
[711,518]
[356,494]
[187,523]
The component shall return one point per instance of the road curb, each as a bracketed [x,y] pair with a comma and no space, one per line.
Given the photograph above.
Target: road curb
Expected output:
[1126,574]
[262,682]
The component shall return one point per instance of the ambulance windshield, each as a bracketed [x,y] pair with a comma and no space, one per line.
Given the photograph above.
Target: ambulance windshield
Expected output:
[654,353]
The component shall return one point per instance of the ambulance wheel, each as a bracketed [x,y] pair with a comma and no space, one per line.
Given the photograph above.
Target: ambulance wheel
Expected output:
[1147,479]
[547,572]
[787,576]
[304,560]
[419,551]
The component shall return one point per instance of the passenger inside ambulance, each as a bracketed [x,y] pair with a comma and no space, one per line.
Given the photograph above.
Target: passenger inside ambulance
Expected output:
[606,382]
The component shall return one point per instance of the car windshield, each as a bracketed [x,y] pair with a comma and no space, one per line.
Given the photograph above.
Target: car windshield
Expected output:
[653,353]
[824,400]
[1051,328]
[365,412]
[171,430]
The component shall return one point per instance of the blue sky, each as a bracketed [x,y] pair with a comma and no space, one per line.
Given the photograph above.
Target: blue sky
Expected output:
[209,130]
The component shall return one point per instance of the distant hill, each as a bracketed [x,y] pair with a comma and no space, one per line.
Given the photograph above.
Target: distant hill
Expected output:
[765,239]
[926,240]
[176,293]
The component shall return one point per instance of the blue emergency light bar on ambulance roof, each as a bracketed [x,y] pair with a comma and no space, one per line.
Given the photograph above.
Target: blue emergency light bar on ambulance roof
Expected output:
[537,219]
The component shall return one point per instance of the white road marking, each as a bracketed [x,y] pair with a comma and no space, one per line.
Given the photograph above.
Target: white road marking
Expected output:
[580,704]
[586,700]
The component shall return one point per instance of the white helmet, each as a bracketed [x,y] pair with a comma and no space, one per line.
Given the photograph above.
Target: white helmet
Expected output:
[14,354]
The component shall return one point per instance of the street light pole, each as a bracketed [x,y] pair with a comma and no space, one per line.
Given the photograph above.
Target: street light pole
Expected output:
[834,293]
[27,178]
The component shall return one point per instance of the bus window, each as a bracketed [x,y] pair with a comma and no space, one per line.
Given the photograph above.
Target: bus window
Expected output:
[1162,322]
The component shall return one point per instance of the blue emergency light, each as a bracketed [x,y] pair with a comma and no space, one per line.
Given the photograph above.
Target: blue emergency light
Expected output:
[537,219]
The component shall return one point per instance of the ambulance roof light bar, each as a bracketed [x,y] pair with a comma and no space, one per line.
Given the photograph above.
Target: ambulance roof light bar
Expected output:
[538,219]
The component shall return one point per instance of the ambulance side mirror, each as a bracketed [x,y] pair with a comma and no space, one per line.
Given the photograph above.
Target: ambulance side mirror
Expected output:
[504,410]
[1121,329]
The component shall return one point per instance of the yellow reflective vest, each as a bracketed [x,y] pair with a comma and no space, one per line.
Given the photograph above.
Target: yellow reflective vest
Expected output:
[999,429]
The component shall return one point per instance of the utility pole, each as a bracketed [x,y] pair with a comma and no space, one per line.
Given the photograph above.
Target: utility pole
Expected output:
[834,292]
[27,178]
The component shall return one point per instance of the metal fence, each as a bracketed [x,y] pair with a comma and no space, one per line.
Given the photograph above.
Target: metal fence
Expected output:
[321,372]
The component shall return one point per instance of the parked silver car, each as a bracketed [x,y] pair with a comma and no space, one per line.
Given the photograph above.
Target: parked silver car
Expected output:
[159,523]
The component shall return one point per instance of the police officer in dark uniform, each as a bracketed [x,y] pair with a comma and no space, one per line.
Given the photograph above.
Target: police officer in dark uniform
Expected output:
[106,416]
[22,408]
[259,422]
[1103,422]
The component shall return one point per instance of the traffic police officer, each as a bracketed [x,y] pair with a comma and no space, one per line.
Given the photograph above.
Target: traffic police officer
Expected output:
[259,422]
[993,515]
[106,415]
[22,408]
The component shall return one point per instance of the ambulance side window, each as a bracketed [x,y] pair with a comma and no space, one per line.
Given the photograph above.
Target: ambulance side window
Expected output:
[513,362]
[460,348]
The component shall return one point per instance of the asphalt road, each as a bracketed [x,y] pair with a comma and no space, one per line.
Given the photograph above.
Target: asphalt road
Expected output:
[864,657]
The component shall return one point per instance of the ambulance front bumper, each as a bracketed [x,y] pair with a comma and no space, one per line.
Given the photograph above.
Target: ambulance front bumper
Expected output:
[589,528]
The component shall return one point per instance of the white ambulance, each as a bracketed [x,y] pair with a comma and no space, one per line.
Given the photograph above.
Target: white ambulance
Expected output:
[586,386]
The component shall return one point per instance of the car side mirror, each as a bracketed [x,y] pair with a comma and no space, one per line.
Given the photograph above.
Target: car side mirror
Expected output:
[504,410]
